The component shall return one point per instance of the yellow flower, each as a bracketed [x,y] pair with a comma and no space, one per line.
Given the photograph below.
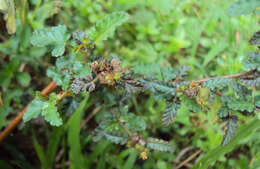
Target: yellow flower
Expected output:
[144,155]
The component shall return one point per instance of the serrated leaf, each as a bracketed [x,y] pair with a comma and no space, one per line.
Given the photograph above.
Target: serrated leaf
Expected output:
[133,123]
[160,90]
[252,61]
[243,7]
[251,82]
[217,83]
[231,130]
[56,37]
[46,108]
[105,27]
[241,104]
[34,109]
[168,73]
[240,89]
[160,145]
[255,39]
[52,115]
[223,111]
[182,72]
[169,113]
[116,138]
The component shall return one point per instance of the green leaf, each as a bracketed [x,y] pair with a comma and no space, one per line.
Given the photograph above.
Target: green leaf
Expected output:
[161,90]
[212,156]
[243,7]
[129,164]
[40,153]
[46,108]
[217,83]
[56,37]
[257,100]
[252,61]
[53,145]
[119,138]
[223,111]
[75,155]
[241,104]
[34,109]
[231,129]
[23,78]
[105,27]
[50,111]
[169,113]
[157,144]
[168,73]
[255,39]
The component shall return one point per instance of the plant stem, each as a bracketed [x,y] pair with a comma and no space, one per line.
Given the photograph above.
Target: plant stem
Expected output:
[237,75]
[51,86]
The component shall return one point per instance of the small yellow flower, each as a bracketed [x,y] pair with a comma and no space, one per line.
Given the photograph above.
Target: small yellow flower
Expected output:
[144,155]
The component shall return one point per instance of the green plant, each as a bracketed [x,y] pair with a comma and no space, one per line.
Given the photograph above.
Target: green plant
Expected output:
[129,82]
[80,71]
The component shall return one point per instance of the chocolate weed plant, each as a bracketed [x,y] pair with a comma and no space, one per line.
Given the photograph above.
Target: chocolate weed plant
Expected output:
[82,74]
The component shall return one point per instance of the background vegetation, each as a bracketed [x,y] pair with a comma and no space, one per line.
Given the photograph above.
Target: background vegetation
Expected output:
[198,34]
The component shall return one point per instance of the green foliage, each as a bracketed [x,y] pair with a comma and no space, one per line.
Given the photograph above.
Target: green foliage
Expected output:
[252,61]
[170,112]
[243,7]
[161,145]
[56,37]
[75,155]
[105,27]
[241,104]
[255,39]
[217,83]
[212,156]
[47,108]
[133,80]
[231,129]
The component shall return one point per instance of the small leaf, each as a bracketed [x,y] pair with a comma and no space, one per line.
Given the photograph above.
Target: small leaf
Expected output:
[252,61]
[55,36]
[217,83]
[34,109]
[157,144]
[255,39]
[120,138]
[231,129]
[241,104]
[46,108]
[169,113]
[106,26]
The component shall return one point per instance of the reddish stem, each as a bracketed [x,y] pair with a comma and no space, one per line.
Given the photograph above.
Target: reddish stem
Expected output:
[51,86]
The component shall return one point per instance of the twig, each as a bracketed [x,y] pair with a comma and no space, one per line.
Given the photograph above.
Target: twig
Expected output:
[183,152]
[237,75]
[188,159]
[51,86]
